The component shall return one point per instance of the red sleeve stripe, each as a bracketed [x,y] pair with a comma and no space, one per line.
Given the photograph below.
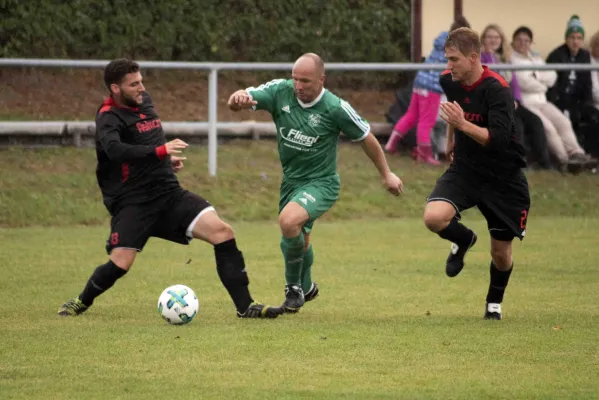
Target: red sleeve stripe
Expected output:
[108,103]
[104,109]
[500,78]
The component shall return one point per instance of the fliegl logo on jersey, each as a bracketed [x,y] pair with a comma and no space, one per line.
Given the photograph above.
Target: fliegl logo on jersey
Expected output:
[297,137]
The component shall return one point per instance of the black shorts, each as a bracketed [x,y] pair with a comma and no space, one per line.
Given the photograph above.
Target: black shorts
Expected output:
[166,217]
[503,203]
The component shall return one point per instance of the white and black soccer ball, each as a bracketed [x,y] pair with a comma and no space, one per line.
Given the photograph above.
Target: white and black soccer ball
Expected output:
[178,304]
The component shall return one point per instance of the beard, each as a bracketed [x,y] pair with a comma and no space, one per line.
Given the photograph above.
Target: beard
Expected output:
[129,101]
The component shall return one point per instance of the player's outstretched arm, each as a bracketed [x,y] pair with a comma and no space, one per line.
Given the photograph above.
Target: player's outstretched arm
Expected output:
[108,130]
[123,152]
[374,151]
[241,100]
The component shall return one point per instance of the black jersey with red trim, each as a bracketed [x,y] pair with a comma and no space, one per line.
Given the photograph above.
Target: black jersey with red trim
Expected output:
[488,103]
[133,166]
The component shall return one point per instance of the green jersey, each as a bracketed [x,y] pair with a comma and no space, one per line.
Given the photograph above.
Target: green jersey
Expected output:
[307,134]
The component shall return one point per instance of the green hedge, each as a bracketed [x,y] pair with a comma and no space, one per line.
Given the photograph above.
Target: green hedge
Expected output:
[206,30]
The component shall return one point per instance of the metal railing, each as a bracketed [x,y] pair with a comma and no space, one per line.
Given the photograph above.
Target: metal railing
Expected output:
[215,67]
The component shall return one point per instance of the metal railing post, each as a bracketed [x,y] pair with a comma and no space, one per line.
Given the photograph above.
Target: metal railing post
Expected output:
[212,119]
[253,66]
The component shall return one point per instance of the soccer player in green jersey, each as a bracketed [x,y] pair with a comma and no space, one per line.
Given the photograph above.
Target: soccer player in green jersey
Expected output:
[308,120]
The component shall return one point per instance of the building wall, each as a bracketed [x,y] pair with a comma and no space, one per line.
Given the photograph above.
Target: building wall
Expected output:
[546,18]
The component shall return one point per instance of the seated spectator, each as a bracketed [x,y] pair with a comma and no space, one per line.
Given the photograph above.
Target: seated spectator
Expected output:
[424,103]
[560,135]
[529,127]
[594,45]
[573,91]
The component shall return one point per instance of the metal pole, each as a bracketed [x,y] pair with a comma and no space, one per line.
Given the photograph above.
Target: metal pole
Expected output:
[458,7]
[416,40]
[256,66]
[212,118]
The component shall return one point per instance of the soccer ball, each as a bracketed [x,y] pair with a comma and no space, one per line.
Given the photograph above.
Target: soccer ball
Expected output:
[178,304]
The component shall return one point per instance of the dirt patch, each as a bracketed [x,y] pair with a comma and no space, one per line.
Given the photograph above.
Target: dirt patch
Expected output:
[45,94]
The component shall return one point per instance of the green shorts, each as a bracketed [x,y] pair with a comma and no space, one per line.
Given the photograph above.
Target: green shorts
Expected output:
[316,196]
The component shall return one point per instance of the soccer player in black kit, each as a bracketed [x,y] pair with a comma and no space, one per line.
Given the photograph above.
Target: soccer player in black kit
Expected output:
[486,169]
[136,174]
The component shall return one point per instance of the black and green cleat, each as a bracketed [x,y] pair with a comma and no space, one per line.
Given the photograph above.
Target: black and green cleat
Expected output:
[72,308]
[312,293]
[294,299]
[259,310]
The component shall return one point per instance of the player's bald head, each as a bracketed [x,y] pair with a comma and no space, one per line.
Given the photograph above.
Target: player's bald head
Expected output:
[310,62]
[308,77]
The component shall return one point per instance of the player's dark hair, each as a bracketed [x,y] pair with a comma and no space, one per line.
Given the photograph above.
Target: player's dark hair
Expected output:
[117,69]
[465,40]
[459,22]
[523,29]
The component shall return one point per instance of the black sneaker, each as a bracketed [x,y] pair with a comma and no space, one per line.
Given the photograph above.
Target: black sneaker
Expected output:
[312,293]
[259,310]
[577,163]
[493,311]
[72,308]
[455,260]
[294,299]
[575,168]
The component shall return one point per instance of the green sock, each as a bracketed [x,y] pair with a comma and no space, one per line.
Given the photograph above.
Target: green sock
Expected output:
[293,252]
[307,269]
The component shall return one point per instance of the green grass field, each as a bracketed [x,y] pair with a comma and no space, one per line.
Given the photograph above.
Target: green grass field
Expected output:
[388,323]
[54,187]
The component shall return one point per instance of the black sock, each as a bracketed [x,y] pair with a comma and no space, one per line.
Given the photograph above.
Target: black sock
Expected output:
[101,280]
[499,281]
[230,266]
[457,233]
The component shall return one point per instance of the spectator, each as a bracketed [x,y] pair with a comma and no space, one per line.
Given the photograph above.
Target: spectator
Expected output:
[529,127]
[573,90]
[594,45]
[560,135]
[424,103]
[495,50]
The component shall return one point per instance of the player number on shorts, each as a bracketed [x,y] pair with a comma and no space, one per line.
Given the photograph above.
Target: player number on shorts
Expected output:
[523,217]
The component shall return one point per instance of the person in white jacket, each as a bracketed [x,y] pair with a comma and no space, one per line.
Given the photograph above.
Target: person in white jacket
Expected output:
[561,138]
[594,47]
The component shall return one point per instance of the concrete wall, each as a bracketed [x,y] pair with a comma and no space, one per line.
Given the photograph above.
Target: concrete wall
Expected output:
[546,18]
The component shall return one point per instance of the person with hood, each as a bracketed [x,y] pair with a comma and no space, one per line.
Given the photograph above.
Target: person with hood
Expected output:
[424,103]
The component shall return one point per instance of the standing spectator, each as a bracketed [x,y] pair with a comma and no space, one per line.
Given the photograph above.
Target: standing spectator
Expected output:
[529,127]
[424,104]
[573,90]
[561,138]
[594,45]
